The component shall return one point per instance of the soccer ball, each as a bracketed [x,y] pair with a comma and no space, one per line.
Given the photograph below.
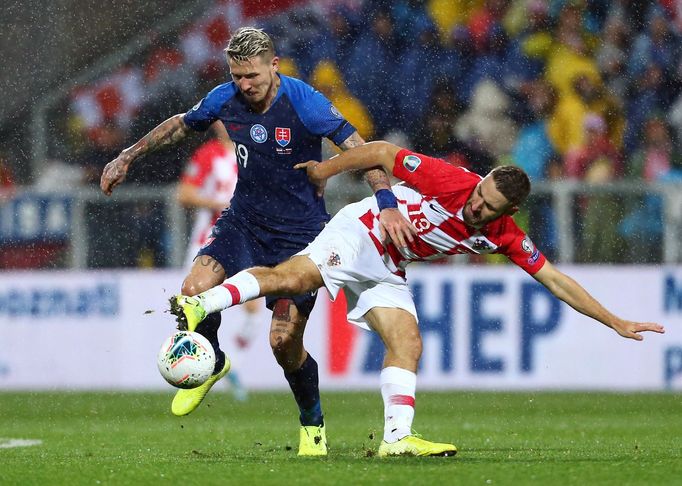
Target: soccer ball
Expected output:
[186,359]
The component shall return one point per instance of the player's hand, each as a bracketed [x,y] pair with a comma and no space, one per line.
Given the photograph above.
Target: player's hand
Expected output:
[632,330]
[114,173]
[313,175]
[393,225]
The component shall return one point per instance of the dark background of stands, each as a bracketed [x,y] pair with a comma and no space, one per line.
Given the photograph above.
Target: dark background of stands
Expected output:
[45,43]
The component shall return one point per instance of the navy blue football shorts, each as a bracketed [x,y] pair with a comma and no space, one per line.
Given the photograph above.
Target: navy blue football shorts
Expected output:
[238,245]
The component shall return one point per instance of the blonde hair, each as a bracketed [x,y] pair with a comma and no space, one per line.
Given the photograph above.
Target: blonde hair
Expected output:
[249,42]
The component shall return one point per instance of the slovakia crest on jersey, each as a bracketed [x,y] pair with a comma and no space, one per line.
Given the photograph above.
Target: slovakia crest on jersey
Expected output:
[282,136]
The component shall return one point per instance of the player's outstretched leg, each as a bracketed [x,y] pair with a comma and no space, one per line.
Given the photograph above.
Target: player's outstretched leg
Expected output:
[188,311]
[304,384]
[398,391]
[186,401]
[300,369]
[411,445]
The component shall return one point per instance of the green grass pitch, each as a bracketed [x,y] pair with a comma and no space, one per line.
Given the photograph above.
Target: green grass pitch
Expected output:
[503,438]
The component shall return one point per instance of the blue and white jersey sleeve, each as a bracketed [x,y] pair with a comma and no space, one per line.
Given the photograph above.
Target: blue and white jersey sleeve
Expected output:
[207,111]
[316,112]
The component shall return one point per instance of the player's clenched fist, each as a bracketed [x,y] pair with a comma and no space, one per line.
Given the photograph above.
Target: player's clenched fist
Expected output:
[113,174]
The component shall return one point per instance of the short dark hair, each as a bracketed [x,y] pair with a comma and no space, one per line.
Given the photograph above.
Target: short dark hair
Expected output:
[512,182]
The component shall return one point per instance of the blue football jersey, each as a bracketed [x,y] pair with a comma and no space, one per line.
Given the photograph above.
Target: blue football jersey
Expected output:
[269,191]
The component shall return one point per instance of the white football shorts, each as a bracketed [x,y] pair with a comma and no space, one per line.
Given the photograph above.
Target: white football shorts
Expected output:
[348,259]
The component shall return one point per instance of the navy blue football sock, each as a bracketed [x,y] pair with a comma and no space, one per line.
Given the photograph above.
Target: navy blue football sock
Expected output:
[304,383]
[209,329]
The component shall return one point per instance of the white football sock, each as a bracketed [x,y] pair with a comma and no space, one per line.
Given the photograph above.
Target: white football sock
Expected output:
[235,290]
[398,389]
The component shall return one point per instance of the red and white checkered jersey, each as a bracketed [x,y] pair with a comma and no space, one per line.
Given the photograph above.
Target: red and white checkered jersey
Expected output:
[432,198]
[212,168]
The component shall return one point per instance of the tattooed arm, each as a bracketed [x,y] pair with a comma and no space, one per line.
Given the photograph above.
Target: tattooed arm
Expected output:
[393,224]
[167,133]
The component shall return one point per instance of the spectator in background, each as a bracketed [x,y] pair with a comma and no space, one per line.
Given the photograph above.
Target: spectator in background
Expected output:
[288,67]
[486,19]
[435,133]
[410,17]
[646,95]
[633,12]
[528,49]
[423,62]
[449,15]
[674,117]
[658,44]
[656,160]
[340,32]
[207,184]
[378,86]
[537,156]
[612,56]
[595,99]
[486,125]
[327,79]
[118,246]
[566,126]
[570,55]
[304,46]
[489,61]
[597,161]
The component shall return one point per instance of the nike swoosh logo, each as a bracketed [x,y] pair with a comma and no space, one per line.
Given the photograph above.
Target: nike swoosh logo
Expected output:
[438,210]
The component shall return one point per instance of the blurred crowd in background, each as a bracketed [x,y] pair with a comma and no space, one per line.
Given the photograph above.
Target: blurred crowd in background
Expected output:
[584,90]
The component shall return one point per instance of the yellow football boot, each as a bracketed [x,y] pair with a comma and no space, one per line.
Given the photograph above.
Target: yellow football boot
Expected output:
[313,441]
[185,401]
[412,445]
[188,311]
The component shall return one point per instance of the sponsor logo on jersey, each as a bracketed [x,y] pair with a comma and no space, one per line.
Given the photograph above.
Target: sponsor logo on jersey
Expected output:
[282,136]
[411,162]
[258,133]
[335,112]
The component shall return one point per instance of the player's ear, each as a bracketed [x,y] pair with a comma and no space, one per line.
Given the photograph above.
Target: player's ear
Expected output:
[275,64]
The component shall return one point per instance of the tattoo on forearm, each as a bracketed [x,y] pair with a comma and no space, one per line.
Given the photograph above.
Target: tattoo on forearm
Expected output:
[377,179]
[168,133]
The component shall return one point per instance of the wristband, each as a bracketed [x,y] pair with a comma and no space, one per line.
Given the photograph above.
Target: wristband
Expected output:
[386,199]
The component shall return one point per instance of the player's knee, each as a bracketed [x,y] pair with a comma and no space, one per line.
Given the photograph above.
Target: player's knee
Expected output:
[416,347]
[190,287]
[408,345]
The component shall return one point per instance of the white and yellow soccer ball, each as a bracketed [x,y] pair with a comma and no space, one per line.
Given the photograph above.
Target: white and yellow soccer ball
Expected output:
[186,359]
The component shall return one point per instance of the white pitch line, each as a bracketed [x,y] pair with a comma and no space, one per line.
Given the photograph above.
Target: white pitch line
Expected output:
[11,443]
